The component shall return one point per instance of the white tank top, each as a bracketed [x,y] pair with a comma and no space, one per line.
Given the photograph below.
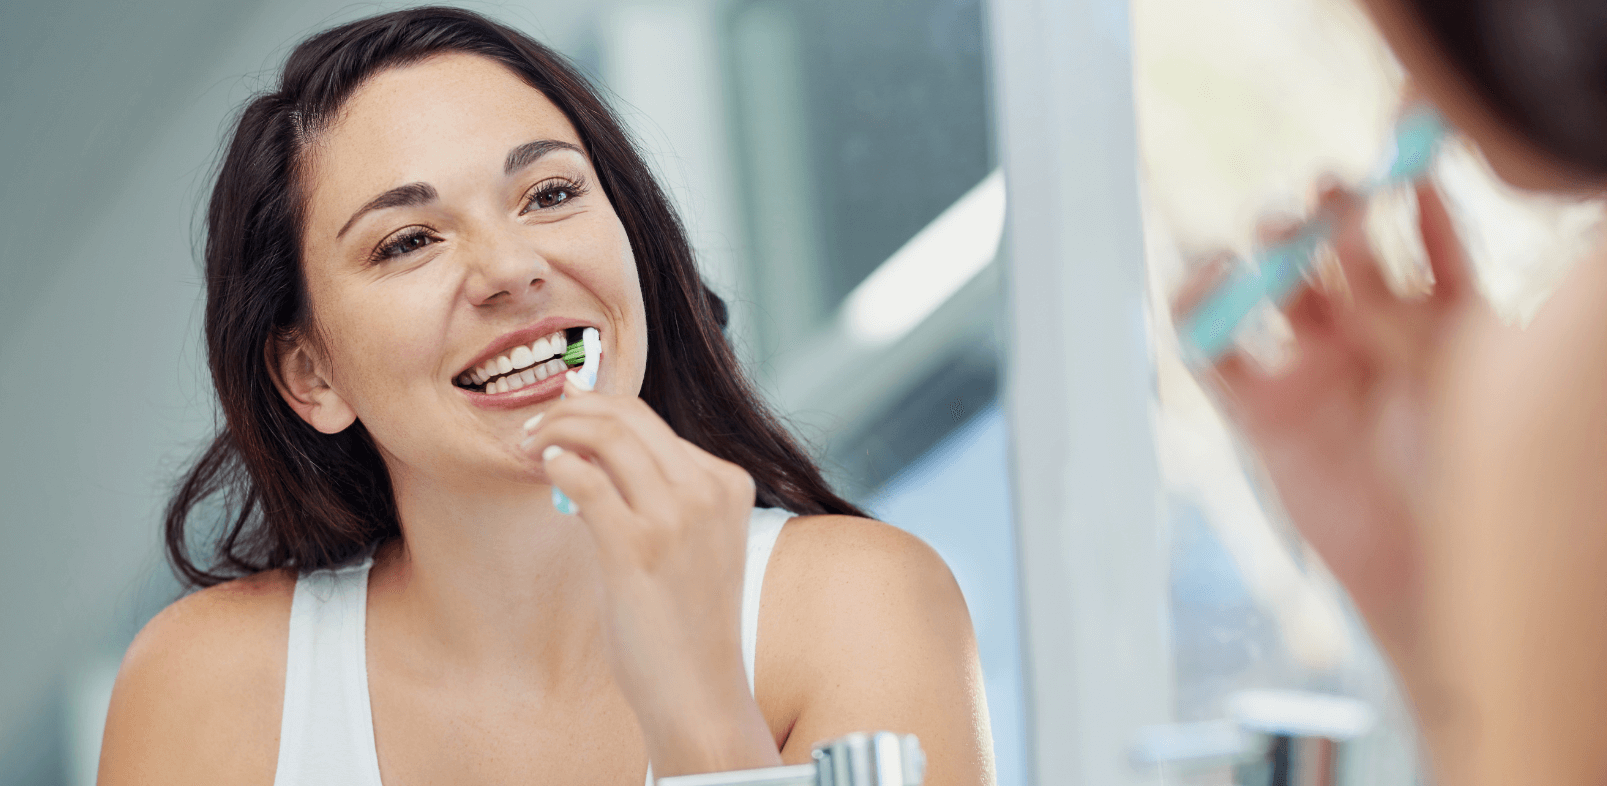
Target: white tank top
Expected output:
[326,735]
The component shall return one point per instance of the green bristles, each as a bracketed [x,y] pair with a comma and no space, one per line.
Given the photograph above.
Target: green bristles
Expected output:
[575,354]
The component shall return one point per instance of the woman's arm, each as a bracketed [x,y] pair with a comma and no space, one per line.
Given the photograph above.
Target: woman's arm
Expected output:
[863,628]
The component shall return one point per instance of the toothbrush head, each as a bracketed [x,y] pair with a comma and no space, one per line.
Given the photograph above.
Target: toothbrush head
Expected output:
[1418,135]
[592,344]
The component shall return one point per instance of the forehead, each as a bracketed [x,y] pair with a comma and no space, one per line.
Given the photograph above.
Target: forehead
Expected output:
[450,116]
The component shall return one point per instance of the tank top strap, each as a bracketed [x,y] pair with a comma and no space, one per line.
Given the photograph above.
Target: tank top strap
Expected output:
[764,526]
[326,732]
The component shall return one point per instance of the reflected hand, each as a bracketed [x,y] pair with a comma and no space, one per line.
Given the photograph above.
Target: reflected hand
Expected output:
[1341,430]
[670,524]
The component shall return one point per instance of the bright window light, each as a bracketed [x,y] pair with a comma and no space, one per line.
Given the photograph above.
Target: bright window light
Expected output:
[930,268]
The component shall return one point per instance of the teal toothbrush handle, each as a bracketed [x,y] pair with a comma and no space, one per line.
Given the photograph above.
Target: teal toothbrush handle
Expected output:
[1208,333]
[561,501]
[563,504]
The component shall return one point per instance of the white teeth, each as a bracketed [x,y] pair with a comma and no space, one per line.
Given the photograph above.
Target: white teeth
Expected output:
[522,357]
[542,358]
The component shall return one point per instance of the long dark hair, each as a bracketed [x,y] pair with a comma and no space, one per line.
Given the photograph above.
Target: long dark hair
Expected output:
[1540,64]
[282,495]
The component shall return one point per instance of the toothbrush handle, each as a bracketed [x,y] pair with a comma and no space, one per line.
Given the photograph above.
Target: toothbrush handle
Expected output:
[563,504]
[561,501]
[1209,330]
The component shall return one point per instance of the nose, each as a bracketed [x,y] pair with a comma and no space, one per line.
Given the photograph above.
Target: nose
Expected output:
[503,270]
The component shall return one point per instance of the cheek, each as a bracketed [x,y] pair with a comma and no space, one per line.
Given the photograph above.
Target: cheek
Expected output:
[602,262]
[384,340]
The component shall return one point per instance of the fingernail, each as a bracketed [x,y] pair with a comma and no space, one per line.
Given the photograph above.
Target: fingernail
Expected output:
[552,452]
[530,425]
[578,381]
[526,443]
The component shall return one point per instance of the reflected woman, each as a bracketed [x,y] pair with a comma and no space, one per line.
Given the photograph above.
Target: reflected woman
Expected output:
[1448,467]
[403,239]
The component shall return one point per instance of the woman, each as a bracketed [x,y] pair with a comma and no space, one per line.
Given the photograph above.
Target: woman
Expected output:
[428,202]
[1450,468]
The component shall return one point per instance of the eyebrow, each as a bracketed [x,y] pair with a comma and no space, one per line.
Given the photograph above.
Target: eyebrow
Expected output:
[527,153]
[414,194]
[410,195]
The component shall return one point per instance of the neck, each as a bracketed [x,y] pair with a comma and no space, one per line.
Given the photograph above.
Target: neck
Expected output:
[492,576]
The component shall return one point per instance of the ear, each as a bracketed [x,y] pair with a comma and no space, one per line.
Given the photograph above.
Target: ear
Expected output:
[301,375]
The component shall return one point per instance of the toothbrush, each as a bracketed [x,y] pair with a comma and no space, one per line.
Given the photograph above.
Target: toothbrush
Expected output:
[588,350]
[1208,331]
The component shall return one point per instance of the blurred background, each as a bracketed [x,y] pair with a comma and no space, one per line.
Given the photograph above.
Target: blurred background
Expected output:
[839,164]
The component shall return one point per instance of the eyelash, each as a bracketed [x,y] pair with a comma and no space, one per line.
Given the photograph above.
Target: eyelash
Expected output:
[576,188]
[397,245]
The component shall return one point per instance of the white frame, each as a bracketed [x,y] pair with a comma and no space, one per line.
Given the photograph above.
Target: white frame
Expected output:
[1079,387]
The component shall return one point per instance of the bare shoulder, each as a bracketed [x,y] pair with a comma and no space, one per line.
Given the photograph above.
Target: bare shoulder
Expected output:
[199,693]
[863,627]
[822,561]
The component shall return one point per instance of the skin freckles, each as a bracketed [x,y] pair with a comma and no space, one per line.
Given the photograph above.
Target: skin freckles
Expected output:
[394,333]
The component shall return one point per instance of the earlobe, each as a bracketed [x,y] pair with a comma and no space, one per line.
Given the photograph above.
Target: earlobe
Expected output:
[301,380]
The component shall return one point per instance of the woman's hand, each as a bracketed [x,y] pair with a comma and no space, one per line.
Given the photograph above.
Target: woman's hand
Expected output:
[670,523]
[1341,430]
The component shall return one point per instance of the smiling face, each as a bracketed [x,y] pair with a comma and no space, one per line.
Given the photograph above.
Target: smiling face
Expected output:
[454,225]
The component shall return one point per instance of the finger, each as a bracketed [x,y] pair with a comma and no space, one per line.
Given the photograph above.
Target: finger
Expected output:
[1275,228]
[1199,284]
[574,385]
[1363,274]
[612,447]
[737,479]
[591,489]
[662,443]
[1447,259]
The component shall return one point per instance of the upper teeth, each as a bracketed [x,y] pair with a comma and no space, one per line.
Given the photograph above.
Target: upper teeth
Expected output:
[545,354]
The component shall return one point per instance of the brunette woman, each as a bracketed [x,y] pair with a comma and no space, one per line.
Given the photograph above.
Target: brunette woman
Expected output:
[403,238]
[1452,469]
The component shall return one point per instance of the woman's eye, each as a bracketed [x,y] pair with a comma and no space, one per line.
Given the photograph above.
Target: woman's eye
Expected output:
[405,243]
[551,195]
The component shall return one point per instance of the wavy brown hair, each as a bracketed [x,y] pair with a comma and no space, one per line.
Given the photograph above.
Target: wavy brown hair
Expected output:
[279,494]
[1541,65]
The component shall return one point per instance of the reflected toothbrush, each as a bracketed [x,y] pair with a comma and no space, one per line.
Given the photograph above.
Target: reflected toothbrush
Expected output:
[589,351]
[1208,331]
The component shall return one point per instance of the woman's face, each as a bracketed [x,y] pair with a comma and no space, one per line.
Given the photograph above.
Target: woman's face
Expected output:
[453,218]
